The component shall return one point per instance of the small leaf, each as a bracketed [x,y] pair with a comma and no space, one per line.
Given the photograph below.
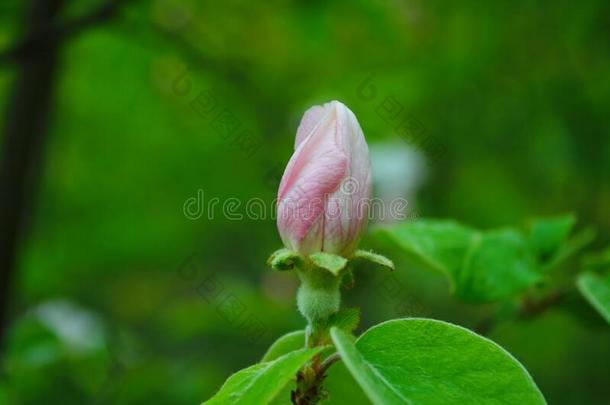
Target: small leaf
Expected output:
[284,260]
[570,248]
[285,344]
[482,266]
[260,383]
[596,289]
[548,234]
[434,363]
[347,319]
[374,258]
[328,261]
[437,244]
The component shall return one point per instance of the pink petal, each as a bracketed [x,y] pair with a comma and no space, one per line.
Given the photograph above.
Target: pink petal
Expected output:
[313,173]
[309,121]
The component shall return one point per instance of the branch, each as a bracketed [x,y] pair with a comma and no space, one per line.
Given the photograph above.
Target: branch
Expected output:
[25,127]
[38,41]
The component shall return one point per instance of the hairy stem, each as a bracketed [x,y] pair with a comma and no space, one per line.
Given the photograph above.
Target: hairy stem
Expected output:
[318,299]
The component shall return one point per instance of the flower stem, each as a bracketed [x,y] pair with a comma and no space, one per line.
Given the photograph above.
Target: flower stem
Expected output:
[318,296]
[318,299]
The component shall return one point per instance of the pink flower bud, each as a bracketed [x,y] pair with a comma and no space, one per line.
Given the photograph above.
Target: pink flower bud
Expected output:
[323,195]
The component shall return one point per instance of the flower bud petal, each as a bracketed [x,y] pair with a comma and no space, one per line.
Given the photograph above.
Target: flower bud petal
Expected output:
[323,195]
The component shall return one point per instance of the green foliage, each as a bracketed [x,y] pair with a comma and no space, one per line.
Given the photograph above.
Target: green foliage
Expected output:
[487,266]
[551,241]
[260,383]
[424,361]
[596,289]
[497,265]
[525,135]
[547,235]
[439,245]
[569,248]
[482,266]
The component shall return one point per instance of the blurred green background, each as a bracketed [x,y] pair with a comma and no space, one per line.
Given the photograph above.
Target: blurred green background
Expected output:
[120,298]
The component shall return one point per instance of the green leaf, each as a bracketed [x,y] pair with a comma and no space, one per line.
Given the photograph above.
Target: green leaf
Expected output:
[548,234]
[482,266]
[374,258]
[596,289]
[570,248]
[440,245]
[285,344]
[498,265]
[342,388]
[260,383]
[347,319]
[423,361]
[329,262]
[284,260]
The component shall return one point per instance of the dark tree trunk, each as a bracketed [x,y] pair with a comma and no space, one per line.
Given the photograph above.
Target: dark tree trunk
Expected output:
[25,124]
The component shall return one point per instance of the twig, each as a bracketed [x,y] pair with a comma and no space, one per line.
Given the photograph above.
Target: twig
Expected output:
[309,381]
[529,309]
[329,361]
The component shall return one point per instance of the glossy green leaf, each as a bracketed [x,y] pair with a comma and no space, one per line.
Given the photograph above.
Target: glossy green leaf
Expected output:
[285,344]
[482,266]
[424,361]
[342,388]
[596,289]
[260,383]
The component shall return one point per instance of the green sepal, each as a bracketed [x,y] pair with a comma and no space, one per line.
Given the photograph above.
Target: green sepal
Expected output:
[348,281]
[284,260]
[374,258]
[329,262]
